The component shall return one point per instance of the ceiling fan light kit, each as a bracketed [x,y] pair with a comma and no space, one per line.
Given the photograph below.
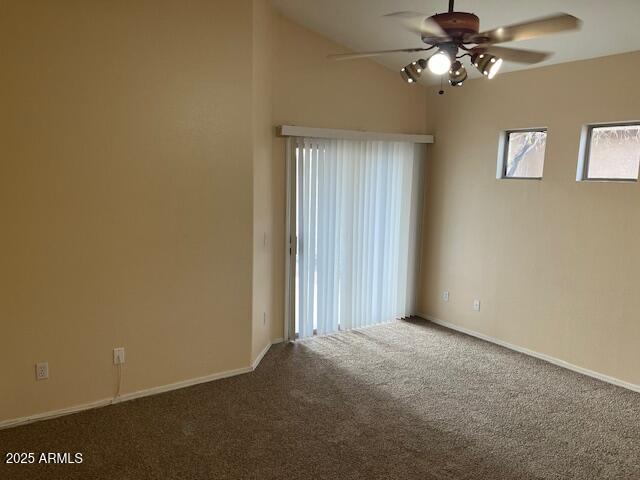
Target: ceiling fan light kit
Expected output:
[487,64]
[412,72]
[439,63]
[456,35]
[457,74]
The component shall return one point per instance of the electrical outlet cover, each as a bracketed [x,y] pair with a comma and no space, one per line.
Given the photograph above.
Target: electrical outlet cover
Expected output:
[118,355]
[42,371]
[445,296]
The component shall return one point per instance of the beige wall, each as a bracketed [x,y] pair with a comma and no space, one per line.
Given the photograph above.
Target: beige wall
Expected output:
[310,91]
[554,262]
[125,195]
[263,57]
[139,177]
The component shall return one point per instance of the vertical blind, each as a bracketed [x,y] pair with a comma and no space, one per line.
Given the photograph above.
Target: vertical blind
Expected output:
[358,217]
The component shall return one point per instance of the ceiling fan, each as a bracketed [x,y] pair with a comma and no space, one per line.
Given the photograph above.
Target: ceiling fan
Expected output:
[455,35]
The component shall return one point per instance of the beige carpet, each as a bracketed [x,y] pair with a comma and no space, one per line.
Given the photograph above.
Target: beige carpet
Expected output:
[400,401]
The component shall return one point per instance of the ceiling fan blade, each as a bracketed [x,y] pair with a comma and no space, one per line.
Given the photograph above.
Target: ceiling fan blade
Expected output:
[353,56]
[559,22]
[418,23]
[516,55]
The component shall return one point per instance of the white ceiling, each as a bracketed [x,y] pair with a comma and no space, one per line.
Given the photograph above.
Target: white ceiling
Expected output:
[610,26]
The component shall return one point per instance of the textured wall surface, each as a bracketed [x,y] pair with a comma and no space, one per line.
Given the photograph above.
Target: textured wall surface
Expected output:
[554,262]
[125,196]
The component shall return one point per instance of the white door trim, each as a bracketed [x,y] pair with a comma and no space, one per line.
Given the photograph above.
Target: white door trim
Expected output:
[312,132]
[290,242]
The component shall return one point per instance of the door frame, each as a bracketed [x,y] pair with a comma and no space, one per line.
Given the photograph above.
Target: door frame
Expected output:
[290,241]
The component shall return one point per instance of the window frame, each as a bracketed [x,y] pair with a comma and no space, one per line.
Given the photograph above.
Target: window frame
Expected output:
[503,152]
[582,174]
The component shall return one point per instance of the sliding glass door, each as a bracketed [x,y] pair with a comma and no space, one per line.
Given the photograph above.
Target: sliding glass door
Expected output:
[355,217]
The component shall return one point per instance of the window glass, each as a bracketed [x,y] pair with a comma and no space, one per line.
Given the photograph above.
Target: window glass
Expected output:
[525,154]
[614,152]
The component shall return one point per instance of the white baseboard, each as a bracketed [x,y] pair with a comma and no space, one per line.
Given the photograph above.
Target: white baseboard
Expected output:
[532,353]
[183,384]
[14,422]
[133,395]
[260,356]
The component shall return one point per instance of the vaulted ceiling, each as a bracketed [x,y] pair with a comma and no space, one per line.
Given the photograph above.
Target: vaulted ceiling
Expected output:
[610,26]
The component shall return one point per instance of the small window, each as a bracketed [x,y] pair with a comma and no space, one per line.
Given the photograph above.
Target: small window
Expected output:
[521,153]
[610,152]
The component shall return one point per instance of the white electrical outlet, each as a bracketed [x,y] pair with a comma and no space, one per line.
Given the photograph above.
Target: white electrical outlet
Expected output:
[476,305]
[42,371]
[118,356]
[445,296]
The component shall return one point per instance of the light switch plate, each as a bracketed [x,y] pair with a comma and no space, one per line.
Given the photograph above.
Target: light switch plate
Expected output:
[445,296]
[476,305]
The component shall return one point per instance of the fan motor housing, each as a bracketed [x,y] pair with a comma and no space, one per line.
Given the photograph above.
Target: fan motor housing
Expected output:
[456,24]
